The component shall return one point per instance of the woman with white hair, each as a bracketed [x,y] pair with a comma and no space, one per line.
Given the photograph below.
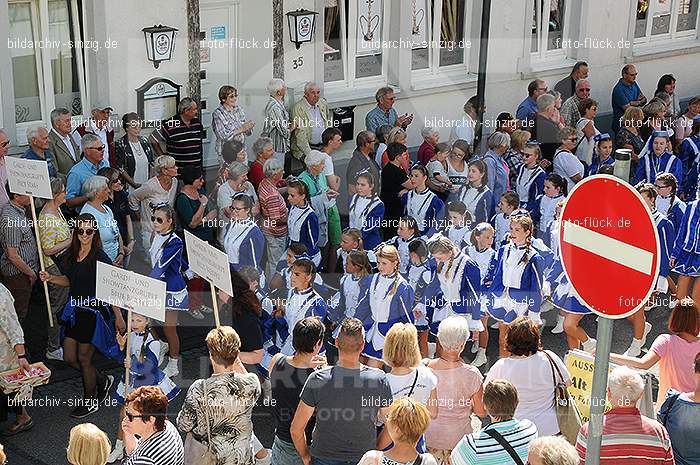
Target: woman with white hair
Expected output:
[96,188]
[496,168]
[459,389]
[552,450]
[236,183]
[278,126]
[426,151]
[274,213]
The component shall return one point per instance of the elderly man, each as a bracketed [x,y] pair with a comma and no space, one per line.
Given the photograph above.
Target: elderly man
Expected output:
[552,450]
[385,113]
[567,86]
[65,151]
[84,169]
[629,438]
[464,129]
[182,135]
[310,115]
[4,149]
[38,138]
[625,94]
[546,128]
[98,124]
[363,160]
[528,107]
[570,110]
[277,125]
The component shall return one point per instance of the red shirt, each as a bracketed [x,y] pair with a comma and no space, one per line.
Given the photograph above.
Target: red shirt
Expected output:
[255,173]
[274,210]
[426,152]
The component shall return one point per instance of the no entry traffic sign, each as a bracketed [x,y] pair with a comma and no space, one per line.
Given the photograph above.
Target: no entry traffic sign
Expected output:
[609,246]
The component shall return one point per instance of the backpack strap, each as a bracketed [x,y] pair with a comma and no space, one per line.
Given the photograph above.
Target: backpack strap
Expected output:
[502,441]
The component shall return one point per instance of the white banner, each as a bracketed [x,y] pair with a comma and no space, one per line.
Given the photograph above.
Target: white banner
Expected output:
[126,289]
[369,26]
[28,177]
[208,262]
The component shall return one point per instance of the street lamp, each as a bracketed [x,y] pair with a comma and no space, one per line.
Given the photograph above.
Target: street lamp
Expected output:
[301,26]
[160,43]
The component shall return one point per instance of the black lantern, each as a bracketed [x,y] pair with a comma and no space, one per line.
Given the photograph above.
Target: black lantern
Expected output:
[301,26]
[160,43]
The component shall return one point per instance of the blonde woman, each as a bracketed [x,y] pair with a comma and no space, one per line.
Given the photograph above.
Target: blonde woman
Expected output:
[396,135]
[385,299]
[88,445]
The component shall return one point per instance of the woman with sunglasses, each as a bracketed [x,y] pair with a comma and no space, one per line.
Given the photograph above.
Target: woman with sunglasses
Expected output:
[134,155]
[530,181]
[244,242]
[98,193]
[566,164]
[87,321]
[118,202]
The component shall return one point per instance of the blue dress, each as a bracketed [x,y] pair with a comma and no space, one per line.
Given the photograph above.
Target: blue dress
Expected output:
[596,164]
[666,238]
[366,214]
[478,201]
[428,210]
[673,208]
[686,250]
[384,301]
[169,266]
[689,154]
[501,227]
[421,278]
[529,185]
[563,296]
[344,302]
[304,229]
[299,305]
[402,246]
[544,212]
[459,235]
[244,244]
[650,165]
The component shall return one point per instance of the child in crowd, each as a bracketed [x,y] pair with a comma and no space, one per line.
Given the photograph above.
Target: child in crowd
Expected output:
[545,205]
[685,258]
[666,200]
[460,223]
[406,233]
[244,242]
[508,203]
[366,211]
[344,302]
[437,171]
[421,278]
[282,279]
[422,204]
[603,153]
[530,181]
[657,158]
[476,194]
[302,221]
[351,240]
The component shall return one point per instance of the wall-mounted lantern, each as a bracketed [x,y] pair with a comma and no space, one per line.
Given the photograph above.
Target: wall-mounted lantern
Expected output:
[301,26]
[160,43]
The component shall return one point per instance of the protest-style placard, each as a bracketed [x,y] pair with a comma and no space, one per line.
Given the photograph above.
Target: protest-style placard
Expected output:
[28,177]
[133,291]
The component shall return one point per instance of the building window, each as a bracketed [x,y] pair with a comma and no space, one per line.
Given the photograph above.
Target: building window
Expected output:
[46,70]
[439,33]
[353,38]
[549,30]
[665,20]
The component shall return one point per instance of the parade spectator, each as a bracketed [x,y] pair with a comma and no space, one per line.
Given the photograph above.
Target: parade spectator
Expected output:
[464,128]
[528,108]
[654,118]
[683,127]
[394,180]
[65,150]
[552,450]
[342,388]
[4,149]
[91,163]
[182,135]
[149,437]
[363,160]
[484,447]
[678,414]
[567,86]
[331,139]
[667,84]
[586,131]
[385,113]
[625,94]
[236,183]
[287,378]
[496,168]
[311,117]
[245,316]
[38,138]
[459,390]
[97,190]
[399,136]
[274,213]
[628,137]
[566,164]
[531,370]
[278,125]
[87,445]
[134,155]
[382,134]
[629,438]
[118,202]
[546,126]
[458,164]
[229,121]
[570,109]
[514,156]
[426,151]
[98,125]
[263,149]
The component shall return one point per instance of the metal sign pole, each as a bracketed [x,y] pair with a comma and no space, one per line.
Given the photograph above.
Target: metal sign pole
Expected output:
[599,390]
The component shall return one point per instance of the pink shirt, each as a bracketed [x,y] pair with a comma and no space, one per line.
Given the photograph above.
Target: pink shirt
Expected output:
[676,364]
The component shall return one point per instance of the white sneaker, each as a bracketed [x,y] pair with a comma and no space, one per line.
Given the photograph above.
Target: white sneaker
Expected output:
[589,345]
[647,329]
[117,452]
[55,354]
[164,349]
[171,370]
[480,358]
[559,328]
[634,349]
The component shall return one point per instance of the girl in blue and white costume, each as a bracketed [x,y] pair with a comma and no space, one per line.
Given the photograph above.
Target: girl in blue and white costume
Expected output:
[421,277]
[685,258]
[302,221]
[282,279]
[422,204]
[545,205]
[366,211]
[481,250]
[656,158]
[603,153]
[530,181]
[476,194]
[169,265]
[460,223]
[385,299]
[344,302]
[666,200]
[406,233]
[516,287]
[689,154]
[244,242]
[350,241]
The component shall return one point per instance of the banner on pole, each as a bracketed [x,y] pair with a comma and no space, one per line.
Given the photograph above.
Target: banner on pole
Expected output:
[126,289]
[208,262]
[28,177]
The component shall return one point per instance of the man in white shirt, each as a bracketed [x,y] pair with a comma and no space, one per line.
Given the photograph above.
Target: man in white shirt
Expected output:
[98,124]
[311,117]
[464,128]
[64,149]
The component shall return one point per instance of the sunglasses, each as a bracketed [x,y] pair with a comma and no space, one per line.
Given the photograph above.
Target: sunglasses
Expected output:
[157,219]
[131,416]
[85,232]
[660,187]
[99,149]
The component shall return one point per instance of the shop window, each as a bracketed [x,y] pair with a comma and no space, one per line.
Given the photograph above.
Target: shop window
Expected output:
[665,20]
[439,33]
[549,30]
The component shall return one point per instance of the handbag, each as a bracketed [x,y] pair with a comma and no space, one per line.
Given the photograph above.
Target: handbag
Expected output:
[197,453]
[568,417]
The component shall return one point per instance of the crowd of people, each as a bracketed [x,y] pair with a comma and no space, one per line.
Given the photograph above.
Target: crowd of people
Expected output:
[357,326]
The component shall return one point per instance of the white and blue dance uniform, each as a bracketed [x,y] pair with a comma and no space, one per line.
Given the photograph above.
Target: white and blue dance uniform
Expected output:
[402,246]
[421,278]
[529,185]
[673,208]
[689,154]
[244,244]
[299,305]
[516,287]
[343,256]
[484,260]
[666,237]
[650,165]
[344,302]
[478,202]
[563,296]
[285,271]
[366,215]
[303,228]
[596,164]
[686,249]
[169,266]
[544,212]
[459,235]
[426,208]
[379,308]
[145,373]
[501,227]
[459,293]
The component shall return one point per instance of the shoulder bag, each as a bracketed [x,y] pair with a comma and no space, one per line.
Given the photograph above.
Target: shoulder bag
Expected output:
[568,417]
[508,448]
[195,451]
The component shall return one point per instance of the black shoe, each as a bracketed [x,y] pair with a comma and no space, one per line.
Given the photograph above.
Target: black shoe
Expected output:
[103,391]
[88,407]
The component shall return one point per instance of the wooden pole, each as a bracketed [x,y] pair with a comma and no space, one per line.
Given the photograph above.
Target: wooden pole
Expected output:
[215,304]
[128,352]
[41,259]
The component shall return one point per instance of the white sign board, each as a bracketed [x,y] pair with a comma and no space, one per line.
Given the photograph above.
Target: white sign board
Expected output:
[28,177]
[208,262]
[126,289]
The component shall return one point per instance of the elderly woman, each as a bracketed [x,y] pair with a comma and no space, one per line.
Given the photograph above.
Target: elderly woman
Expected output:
[158,190]
[134,154]
[12,356]
[55,238]
[236,183]
[531,370]
[217,411]
[274,213]
[496,168]
[552,450]
[228,121]
[459,390]
[264,150]
[231,151]
[396,135]
[278,126]
[426,151]
[149,437]
[96,188]
[87,445]
[322,201]
[566,164]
